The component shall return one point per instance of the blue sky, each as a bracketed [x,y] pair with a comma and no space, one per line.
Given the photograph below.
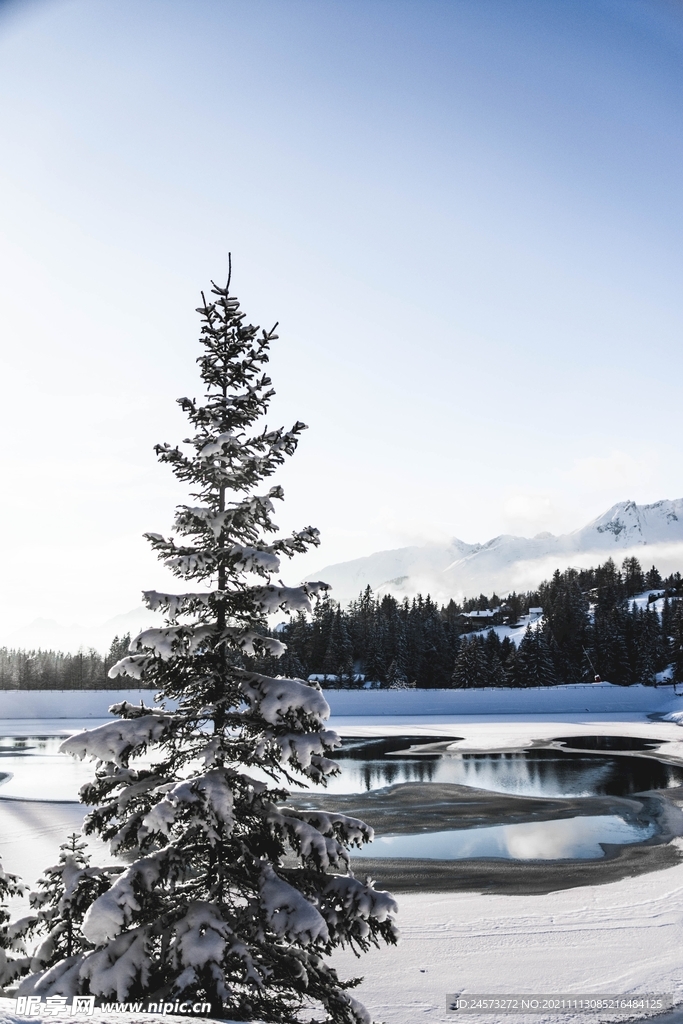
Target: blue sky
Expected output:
[466,216]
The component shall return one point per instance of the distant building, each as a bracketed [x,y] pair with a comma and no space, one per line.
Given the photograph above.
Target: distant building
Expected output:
[481,619]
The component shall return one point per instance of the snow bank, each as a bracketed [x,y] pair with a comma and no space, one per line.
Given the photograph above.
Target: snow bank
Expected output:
[599,698]
[66,703]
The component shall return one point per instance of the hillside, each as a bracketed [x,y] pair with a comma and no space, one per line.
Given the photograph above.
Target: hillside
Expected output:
[508,563]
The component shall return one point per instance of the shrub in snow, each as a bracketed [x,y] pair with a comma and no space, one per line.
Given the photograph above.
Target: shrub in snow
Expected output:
[228,896]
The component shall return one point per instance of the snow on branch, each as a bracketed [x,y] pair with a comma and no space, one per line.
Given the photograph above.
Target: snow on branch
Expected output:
[298,542]
[253,559]
[288,912]
[61,980]
[218,444]
[192,562]
[135,666]
[327,852]
[176,604]
[271,599]
[122,965]
[212,793]
[113,911]
[358,900]
[249,637]
[305,752]
[279,700]
[201,937]
[329,823]
[166,641]
[302,747]
[162,641]
[116,741]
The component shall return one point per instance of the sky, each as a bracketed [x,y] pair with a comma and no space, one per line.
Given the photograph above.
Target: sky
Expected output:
[464,214]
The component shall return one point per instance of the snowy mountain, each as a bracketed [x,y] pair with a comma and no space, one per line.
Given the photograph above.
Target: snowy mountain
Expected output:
[455,569]
[508,563]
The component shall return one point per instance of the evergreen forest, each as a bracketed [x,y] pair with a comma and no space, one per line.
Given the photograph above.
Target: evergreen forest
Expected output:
[590,626]
[55,670]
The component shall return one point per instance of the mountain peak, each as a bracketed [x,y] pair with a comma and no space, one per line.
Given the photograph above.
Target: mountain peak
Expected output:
[507,563]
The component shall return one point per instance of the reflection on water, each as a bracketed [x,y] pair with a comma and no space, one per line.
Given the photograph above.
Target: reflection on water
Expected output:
[578,838]
[372,764]
[34,769]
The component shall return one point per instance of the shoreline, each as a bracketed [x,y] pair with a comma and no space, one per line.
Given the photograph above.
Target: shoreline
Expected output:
[490,876]
[409,808]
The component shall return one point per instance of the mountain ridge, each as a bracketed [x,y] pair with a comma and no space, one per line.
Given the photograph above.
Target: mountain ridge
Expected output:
[452,569]
[507,562]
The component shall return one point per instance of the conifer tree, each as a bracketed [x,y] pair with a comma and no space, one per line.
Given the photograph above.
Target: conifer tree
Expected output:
[533,665]
[397,674]
[653,578]
[229,896]
[634,578]
[607,640]
[338,661]
[63,895]
[650,647]
[375,664]
[471,667]
[565,611]
[494,655]
[11,967]
[677,642]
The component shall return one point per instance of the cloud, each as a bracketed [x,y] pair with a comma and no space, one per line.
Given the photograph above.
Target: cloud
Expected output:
[618,470]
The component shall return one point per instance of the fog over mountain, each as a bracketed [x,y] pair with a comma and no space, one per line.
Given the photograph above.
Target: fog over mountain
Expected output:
[653,533]
[49,634]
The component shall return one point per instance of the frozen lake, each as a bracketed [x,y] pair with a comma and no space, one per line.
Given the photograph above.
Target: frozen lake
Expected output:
[39,789]
[34,769]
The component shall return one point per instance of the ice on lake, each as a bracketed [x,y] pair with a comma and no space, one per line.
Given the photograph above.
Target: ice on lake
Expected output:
[34,769]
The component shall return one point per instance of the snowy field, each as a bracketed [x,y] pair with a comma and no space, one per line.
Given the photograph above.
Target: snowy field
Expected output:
[624,937]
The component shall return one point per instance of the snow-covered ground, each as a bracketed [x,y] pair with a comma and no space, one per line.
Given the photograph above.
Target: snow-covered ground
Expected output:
[624,937]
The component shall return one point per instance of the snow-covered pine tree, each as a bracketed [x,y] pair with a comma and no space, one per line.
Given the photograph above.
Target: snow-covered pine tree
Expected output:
[229,896]
[677,642]
[10,967]
[63,895]
[471,668]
